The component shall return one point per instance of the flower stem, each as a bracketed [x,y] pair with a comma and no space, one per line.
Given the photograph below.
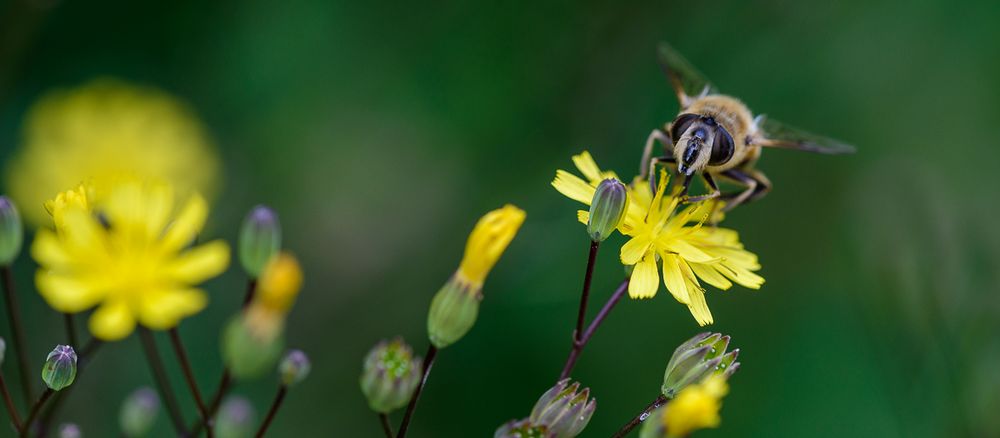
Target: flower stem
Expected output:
[161,380]
[182,357]
[11,409]
[586,290]
[34,411]
[578,344]
[85,356]
[70,330]
[278,398]
[386,427]
[660,401]
[227,377]
[17,329]
[428,363]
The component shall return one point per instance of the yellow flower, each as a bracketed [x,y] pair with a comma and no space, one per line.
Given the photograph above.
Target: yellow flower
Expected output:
[128,255]
[686,250]
[486,244]
[695,407]
[102,131]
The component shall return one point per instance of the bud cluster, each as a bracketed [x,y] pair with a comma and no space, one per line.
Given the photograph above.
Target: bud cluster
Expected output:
[389,375]
[562,412]
[696,359]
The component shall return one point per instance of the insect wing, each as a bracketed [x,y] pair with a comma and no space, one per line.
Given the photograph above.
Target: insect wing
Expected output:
[780,135]
[686,80]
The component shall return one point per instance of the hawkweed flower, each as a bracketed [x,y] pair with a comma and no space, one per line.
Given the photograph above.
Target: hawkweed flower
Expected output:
[260,239]
[237,418]
[389,375]
[696,407]
[128,254]
[102,131]
[455,307]
[11,231]
[294,367]
[59,370]
[661,232]
[696,359]
[562,412]
[139,412]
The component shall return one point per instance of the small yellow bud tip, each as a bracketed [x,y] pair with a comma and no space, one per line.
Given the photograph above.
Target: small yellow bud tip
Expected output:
[280,283]
[487,242]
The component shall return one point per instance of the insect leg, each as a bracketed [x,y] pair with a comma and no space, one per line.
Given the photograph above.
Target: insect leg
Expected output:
[711,184]
[652,169]
[757,185]
[647,152]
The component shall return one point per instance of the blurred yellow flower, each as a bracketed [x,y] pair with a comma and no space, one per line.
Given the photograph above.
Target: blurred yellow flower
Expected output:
[128,254]
[487,242]
[695,407]
[686,250]
[104,130]
[280,282]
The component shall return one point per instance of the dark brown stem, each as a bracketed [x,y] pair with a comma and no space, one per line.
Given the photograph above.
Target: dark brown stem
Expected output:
[70,331]
[161,380]
[182,357]
[251,288]
[428,363]
[278,398]
[578,345]
[386,427]
[660,401]
[34,411]
[582,314]
[11,409]
[17,329]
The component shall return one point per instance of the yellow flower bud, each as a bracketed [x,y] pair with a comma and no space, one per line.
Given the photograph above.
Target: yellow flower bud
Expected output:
[487,243]
[695,407]
[280,283]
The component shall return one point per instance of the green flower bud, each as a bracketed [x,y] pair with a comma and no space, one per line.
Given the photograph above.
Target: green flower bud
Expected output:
[607,210]
[69,430]
[453,312]
[260,239]
[564,411]
[59,370]
[139,412]
[696,359]
[11,231]
[522,429]
[294,367]
[390,375]
[237,419]
[250,354]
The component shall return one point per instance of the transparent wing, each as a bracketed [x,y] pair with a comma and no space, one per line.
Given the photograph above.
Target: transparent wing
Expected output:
[780,135]
[686,80]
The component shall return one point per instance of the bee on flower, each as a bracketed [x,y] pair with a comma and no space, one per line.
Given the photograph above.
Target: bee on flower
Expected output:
[665,237]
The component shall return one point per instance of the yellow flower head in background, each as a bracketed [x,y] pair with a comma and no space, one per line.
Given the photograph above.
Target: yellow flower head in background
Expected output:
[486,244]
[107,130]
[277,289]
[695,407]
[129,254]
[686,250]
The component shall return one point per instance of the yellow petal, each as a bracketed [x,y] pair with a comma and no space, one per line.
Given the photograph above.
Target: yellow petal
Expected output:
[49,251]
[200,263]
[644,280]
[673,279]
[112,321]
[588,167]
[688,251]
[187,225]
[699,308]
[66,293]
[635,249]
[583,216]
[573,187]
[711,276]
[83,234]
[164,309]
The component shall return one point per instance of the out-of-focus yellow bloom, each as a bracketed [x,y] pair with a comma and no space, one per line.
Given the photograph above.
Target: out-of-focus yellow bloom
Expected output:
[128,254]
[486,244]
[658,233]
[695,407]
[280,283]
[105,130]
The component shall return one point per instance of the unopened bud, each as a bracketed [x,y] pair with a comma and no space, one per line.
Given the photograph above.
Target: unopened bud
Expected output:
[248,351]
[453,312]
[696,359]
[522,429]
[564,411]
[139,412]
[279,284]
[11,231]
[70,430]
[294,367]
[59,370]
[260,239]
[607,210]
[389,375]
[237,418]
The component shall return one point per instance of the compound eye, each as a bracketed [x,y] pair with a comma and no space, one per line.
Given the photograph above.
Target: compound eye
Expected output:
[722,148]
[681,124]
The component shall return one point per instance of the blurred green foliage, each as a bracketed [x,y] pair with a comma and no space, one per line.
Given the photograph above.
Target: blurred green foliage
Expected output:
[380,132]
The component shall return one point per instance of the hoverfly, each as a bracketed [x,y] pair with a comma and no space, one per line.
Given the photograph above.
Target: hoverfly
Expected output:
[716,136]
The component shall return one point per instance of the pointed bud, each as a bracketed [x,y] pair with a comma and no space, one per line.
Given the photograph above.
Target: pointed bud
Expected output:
[607,209]
[11,231]
[252,343]
[522,429]
[260,239]
[237,418]
[390,375]
[453,312]
[69,430]
[562,410]
[59,370]
[699,357]
[139,412]
[294,367]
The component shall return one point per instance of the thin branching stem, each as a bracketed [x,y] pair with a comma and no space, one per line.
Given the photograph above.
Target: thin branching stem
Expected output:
[161,380]
[428,363]
[71,331]
[182,357]
[585,294]
[660,401]
[26,426]
[11,409]
[275,405]
[386,427]
[17,329]
[578,345]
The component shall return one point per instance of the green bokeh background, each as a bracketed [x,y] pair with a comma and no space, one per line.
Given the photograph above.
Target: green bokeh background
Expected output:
[380,132]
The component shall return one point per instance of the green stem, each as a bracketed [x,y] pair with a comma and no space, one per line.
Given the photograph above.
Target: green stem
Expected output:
[278,398]
[161,380]
[182,357]
[660,401]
